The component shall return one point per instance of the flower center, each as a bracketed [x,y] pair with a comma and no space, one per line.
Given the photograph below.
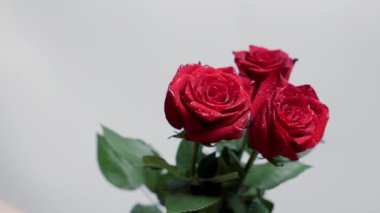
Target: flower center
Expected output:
[295,112]
[217,93]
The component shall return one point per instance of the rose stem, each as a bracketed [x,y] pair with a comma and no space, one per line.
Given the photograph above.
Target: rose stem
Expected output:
[194,159]
[250,162]
[251,159]
[241,151]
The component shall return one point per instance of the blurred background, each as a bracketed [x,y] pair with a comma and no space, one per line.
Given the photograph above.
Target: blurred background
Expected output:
[67,65]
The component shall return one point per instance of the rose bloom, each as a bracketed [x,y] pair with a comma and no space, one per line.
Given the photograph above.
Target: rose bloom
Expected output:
[290,121]
[258,63]
[269,69]
[209,104]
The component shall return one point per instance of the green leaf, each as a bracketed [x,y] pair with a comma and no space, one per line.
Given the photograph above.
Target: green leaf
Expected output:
[268,204]
[252,192]
[208,166]
[184,156]
[236,145]
[280,160]
[158,184]
[177,183]
[211,209]
[176,203]
[268,176]
[151,178]
[229,162]
[180,135]
[237,204]
[158,162]
[258,207]
[129,149]
[120,160]
[232,144]
[116,170]
[145,209]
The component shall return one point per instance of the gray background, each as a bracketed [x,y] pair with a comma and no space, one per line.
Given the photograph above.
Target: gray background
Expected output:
[67,66]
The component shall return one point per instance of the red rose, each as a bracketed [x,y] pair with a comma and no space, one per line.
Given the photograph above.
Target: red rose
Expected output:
[268,68]
[259,62]
[209,104]
[290,121]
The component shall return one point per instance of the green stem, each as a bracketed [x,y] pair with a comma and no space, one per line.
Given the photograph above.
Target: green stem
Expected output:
[250,162]
[194,159]
[242,148]
[247,167]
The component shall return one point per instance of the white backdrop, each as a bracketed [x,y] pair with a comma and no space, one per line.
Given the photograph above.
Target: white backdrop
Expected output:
[67,65]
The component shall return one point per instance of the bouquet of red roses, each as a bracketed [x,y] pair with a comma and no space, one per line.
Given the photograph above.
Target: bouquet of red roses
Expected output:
[223,117]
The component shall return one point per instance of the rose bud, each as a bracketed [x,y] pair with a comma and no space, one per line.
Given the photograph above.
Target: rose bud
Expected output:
[290,121]
[258,63]
[209,104]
